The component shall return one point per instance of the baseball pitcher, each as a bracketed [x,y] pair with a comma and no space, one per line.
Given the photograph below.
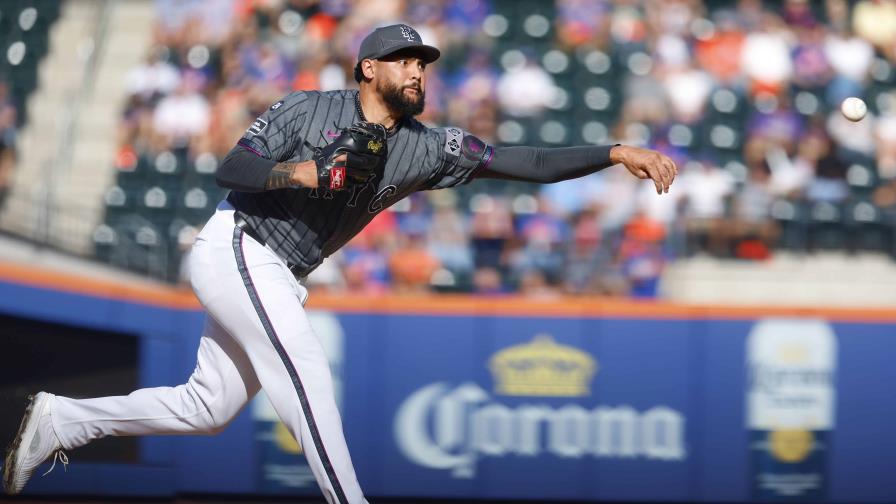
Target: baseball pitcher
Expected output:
[308,175]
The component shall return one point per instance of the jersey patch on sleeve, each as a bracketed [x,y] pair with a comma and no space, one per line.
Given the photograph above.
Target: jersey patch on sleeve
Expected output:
[257,126]
[277,105]
[452,141]
[473,148]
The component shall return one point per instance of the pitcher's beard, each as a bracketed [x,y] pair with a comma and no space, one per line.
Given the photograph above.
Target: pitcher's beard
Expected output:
[396,100]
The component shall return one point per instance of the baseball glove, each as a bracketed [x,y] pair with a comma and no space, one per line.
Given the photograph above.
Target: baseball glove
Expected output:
[364,145]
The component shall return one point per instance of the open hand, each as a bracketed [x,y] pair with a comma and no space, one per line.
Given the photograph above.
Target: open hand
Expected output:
[646,164]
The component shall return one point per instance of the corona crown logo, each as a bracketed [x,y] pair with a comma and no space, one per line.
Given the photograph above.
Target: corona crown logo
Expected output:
[543,368]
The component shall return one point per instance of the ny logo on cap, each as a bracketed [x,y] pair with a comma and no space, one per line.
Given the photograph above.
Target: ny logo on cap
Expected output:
[408,33]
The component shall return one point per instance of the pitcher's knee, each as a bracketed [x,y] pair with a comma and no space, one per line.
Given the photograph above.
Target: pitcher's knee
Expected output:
[207,415]
[217,421]
[214,429]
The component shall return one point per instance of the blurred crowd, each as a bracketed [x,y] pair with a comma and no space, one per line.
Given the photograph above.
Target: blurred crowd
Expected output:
[8,132]
[24,31]
[743,95]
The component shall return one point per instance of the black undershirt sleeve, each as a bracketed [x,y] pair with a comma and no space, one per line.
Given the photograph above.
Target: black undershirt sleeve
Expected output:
[243,170]
[545,166]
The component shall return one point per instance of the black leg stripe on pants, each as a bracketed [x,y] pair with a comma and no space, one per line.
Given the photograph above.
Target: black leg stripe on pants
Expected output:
[290,368]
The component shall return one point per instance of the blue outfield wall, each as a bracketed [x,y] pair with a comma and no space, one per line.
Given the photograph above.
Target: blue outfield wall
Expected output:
[534,407]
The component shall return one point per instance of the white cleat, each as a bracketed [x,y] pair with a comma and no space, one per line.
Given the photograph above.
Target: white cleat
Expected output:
[35,442]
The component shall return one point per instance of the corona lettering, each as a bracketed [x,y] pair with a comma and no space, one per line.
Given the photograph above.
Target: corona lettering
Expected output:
[467,423]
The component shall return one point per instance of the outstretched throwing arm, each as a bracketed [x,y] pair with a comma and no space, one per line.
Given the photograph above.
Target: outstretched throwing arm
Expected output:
[533,164]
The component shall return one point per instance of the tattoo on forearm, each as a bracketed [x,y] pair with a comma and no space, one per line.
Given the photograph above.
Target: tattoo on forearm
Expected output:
[281,176]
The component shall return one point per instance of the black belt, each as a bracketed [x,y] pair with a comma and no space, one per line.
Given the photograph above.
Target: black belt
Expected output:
[240,222]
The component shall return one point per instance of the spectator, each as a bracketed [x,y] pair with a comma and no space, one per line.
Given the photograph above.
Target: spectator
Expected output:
[365,267]
[829,183]
[885,137]
[585,258]
[854,139]
[706,191]
[525,90]
[449,241]
[798,13]
[811,68]
[766,56]
[617,199]
[719,51]
[328,277]
[774,72]
[182,116]
[570,197]
[582,22]
[487,282]
[534,285]
[851,58]
[412,266]
[790,178]
[754,232]
[544,235]
[491,229]
[875,21]
[643,265]
[687,89]
[642,260]
[155,77]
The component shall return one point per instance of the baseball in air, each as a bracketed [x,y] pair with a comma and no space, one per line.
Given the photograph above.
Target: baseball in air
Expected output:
[853,108]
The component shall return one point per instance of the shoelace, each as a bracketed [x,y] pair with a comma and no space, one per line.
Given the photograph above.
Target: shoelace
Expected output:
[61,457]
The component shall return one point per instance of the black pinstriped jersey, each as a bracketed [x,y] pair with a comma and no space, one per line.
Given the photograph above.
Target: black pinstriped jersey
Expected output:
[305,225]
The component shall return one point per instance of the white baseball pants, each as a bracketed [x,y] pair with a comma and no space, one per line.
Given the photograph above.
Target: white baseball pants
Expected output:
[256,335]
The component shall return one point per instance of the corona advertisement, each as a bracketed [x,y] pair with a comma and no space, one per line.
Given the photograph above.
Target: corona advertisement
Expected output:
[541,410]
[791,366]
[686,406]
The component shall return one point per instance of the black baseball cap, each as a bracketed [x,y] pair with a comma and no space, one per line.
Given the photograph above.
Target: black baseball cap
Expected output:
[389,39]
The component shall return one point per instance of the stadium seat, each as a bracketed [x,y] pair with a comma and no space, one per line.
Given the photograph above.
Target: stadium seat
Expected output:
[181,235]
[883,72]
[201,171]
[137,177]
[537,27]
[792,219]
[195,205]
[558,63]
[808,103]
[682,136]
[562,101]
[24,30]
[862,179]
[594,132]
[139,246]
[168,167]
[554,132]
[868,229]
[595,67]
[513,131]
[105,242]
[722,137]
[528,22]
[727,103]
[158,204]
[826,226]
[119,202]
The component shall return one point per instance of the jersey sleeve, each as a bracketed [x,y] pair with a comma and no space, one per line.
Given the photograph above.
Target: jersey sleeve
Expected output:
[274,134]
[460,156]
